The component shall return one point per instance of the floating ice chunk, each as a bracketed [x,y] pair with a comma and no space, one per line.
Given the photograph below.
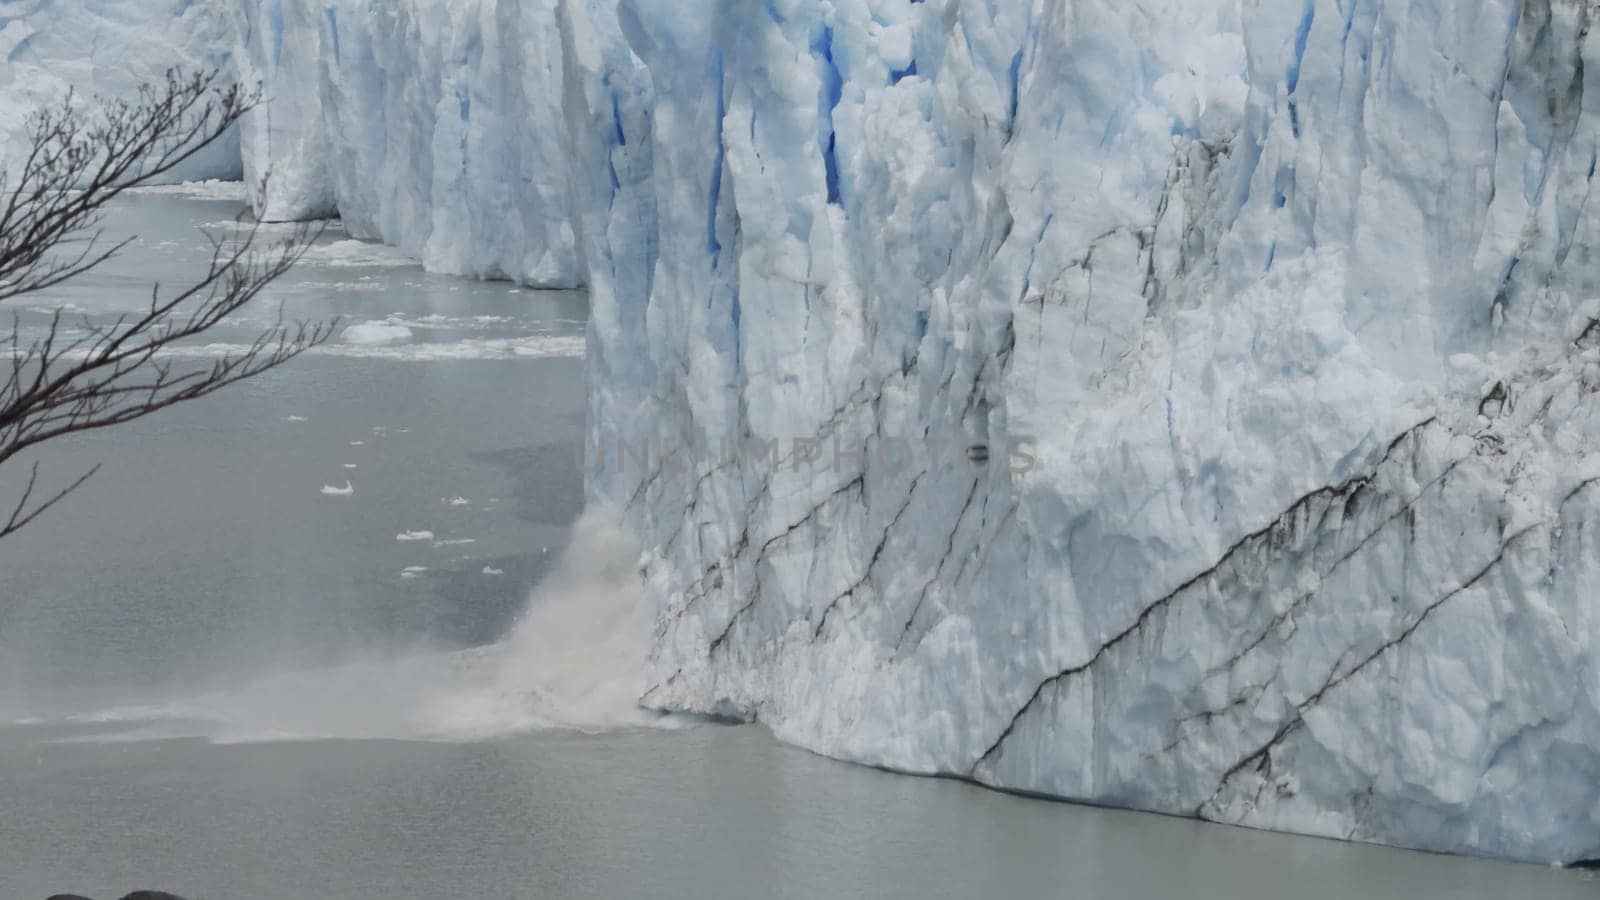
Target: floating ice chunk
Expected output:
[413,571]
[322,287]
[458,501]
[294,418]
[357,254]
[370,333]
[532,346]
[439,320]
[245,223]
[348,490]
[412,536]
[492,572]
[212,189]
[455,542]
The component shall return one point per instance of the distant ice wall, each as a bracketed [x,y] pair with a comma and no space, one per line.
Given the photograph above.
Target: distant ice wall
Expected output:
[436,127]
[105,48]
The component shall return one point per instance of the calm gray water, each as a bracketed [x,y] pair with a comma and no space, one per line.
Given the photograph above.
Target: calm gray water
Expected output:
[206,561]
[704,813]
[205,548]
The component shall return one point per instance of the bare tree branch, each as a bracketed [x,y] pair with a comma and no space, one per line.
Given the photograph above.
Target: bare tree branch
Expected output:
[92,376]
[21,515]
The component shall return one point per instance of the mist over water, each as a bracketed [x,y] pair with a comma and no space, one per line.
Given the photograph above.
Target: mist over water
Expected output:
[573,660]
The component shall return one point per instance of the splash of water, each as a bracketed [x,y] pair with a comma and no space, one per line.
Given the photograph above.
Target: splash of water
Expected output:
[574,660]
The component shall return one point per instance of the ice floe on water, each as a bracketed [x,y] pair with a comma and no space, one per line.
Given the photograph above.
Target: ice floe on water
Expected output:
[233,191]
[360,285]
[440,320]
[535,346]
[348,490]
[354,254]
[398,349]
[369,333]
[243,222]
[64,309]
[532,346]
[406,537]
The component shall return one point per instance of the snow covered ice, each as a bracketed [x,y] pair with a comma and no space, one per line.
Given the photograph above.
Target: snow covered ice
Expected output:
[1186,405]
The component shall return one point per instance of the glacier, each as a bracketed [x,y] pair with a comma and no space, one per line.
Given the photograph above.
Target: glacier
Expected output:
[107,49]
[1185,405]
[436,127]
[1272,323]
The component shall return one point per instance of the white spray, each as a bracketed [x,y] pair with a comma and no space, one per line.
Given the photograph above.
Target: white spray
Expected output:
[574,660]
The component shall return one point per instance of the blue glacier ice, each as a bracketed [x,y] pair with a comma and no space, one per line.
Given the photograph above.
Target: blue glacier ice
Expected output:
[1186,405]
[1289,307]
[436,127]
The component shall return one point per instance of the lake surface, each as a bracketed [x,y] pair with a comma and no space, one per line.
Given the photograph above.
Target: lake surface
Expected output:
[218,678]
[205,548]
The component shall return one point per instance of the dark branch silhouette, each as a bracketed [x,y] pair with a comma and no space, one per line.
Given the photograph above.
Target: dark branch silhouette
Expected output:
[85,375]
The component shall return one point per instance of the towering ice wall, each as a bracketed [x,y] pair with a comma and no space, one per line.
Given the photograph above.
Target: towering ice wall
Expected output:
[105,49]
[1272,321]
[434,126]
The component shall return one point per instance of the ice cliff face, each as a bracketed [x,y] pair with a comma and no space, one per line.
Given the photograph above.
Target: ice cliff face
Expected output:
[1270,320]
[433,126]
[1179,404]
[105,48]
